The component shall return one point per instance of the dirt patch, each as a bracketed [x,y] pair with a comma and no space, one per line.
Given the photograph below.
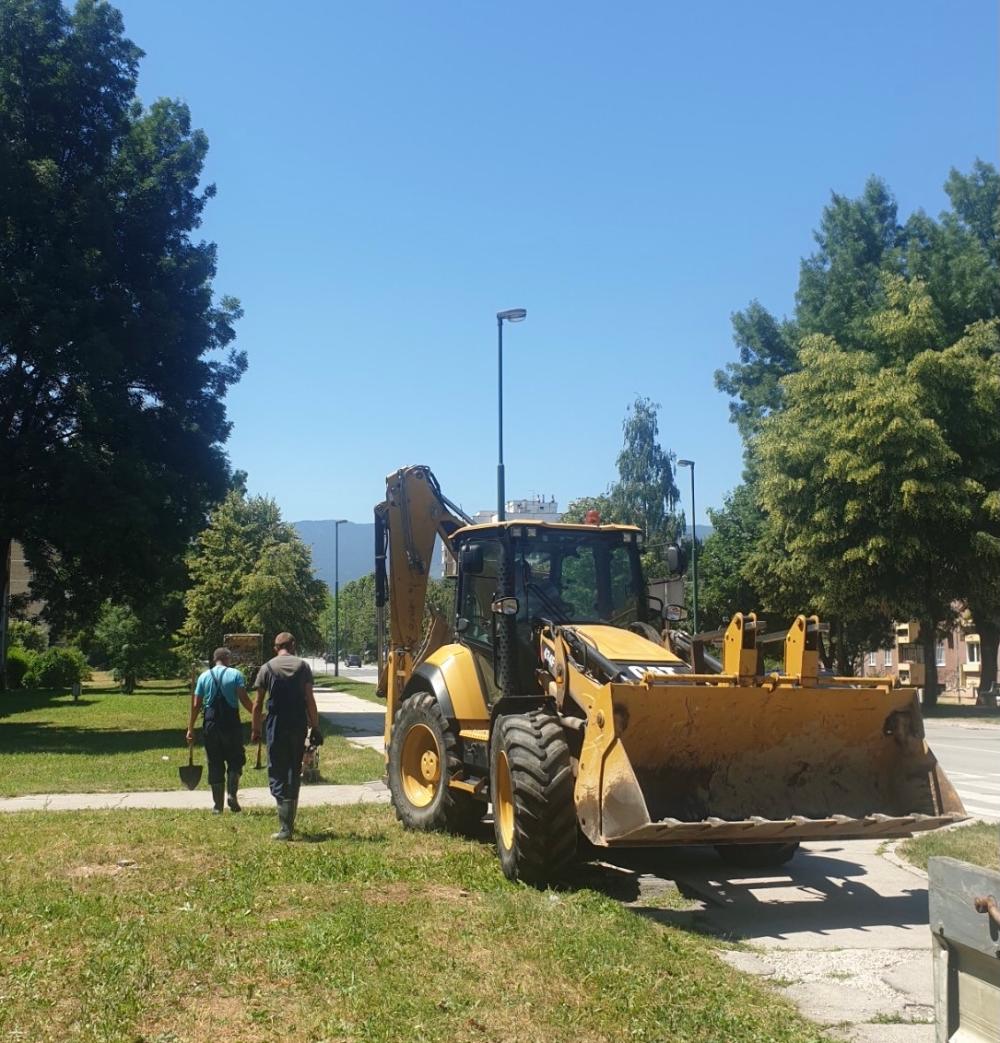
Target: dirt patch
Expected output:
[402,891]
[222,1019]
[85,872]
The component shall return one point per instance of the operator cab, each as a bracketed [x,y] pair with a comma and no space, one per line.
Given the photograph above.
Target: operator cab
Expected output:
[555,573]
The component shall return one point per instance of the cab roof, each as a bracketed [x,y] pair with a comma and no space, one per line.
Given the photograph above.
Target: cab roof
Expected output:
[496,528]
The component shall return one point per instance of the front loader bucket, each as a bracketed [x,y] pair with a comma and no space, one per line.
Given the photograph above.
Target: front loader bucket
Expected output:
[711,763]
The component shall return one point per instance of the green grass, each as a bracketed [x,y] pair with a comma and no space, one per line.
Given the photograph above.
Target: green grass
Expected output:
[109,742]
[978,844]
[954,712]
[356,688]
[359,932]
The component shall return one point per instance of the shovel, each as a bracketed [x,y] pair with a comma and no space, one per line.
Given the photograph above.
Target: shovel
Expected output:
[258,766]
[191,772]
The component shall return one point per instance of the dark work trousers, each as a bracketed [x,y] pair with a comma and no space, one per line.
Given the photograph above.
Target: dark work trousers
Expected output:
[285,746]
[224,750]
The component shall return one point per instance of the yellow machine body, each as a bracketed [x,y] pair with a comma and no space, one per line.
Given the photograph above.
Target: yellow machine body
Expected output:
[663,755]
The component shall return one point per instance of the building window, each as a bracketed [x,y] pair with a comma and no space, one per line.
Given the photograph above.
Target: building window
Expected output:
[973,652]
[887,659]
[939,653]
[872,660]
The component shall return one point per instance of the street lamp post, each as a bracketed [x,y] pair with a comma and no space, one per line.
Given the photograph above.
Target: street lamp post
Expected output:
[694,546]
[336,595]
[511,315]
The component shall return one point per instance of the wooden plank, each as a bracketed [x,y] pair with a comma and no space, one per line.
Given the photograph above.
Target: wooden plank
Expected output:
[954,886]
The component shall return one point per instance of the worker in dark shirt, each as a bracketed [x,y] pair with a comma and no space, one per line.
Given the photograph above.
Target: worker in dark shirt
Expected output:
[287,682]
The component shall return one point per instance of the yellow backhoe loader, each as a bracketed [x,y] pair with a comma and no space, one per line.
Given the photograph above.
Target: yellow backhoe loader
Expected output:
[555,696]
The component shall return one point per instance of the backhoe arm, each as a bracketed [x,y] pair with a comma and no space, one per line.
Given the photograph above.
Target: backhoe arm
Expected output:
[414,513]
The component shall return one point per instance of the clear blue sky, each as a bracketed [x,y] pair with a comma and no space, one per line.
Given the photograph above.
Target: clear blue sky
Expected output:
[392,174]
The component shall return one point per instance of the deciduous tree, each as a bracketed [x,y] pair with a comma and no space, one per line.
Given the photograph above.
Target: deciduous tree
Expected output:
[898,317]
[250,573]
[114,357]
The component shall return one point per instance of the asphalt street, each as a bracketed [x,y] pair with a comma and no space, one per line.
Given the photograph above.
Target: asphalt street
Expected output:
[970,754]
[324,671]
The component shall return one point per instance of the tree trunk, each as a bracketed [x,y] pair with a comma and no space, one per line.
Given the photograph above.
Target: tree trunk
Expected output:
[844,665]
[6,548]
[989,642]
[928,640]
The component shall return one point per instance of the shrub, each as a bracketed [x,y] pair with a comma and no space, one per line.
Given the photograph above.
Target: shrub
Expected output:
[19,662]
[57,668]
[28,635]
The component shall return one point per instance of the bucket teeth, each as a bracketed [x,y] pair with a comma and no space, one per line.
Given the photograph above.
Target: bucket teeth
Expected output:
[762,830]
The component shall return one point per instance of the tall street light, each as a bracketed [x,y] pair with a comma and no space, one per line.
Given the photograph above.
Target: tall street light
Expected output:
[336,595]
[511,315]
[694,545]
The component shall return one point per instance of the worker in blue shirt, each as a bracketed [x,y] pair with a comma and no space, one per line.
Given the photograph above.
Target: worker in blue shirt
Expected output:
[220,691]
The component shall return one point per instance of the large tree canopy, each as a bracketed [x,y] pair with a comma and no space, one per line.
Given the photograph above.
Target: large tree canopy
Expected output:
[869,418]
[114,356]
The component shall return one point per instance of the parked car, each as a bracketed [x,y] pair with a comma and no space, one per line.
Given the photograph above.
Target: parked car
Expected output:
[353,660]
[329,658]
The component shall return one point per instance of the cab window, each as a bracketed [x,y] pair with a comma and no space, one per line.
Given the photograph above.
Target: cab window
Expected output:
[478,593]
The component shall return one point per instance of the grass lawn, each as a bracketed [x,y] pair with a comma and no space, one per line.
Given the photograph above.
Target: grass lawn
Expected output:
[163,927]
[953,712]
[356,688]
[978,844]
[109,742]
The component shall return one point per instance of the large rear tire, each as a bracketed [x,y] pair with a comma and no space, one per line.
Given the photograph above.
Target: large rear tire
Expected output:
[757,856]
[423,759]
[531,787]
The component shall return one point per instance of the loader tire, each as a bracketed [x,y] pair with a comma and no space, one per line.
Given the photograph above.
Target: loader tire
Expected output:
[423,758]
[531,787]
[757,856]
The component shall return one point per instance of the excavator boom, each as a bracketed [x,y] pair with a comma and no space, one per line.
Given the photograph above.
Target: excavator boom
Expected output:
[407,523]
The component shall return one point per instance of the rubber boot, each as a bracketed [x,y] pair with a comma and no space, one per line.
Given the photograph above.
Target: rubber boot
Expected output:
[218,791]
[286,817]
[233,785]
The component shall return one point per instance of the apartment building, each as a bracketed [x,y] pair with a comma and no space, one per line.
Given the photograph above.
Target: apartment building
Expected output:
[958,658]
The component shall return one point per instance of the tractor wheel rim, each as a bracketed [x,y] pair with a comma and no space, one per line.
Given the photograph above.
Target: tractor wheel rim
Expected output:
[504,809]
[421,765]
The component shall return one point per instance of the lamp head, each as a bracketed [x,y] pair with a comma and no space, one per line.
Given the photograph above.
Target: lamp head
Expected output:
[513,314]
[685,463]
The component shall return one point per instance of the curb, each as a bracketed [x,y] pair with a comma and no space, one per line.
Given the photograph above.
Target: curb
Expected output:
[889,851]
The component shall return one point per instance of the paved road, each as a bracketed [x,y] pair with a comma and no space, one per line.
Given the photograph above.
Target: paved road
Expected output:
[970,755]
[322,670]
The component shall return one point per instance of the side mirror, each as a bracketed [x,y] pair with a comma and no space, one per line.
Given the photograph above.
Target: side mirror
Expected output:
[675,613]
[472,558]
[461,625]
[677,560]
[505,606]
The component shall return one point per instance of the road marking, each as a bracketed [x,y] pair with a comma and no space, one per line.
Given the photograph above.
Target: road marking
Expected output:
[983,797]
[974,809]
[963,749]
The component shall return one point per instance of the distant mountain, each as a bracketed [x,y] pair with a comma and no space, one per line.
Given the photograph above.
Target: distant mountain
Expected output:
[357,550]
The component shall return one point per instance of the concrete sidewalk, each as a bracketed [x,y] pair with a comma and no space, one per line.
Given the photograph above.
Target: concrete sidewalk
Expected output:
[361,722]
[200,799]
[841,930]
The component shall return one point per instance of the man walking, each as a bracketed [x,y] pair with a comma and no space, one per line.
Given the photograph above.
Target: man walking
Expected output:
[220,691]
[287,682]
